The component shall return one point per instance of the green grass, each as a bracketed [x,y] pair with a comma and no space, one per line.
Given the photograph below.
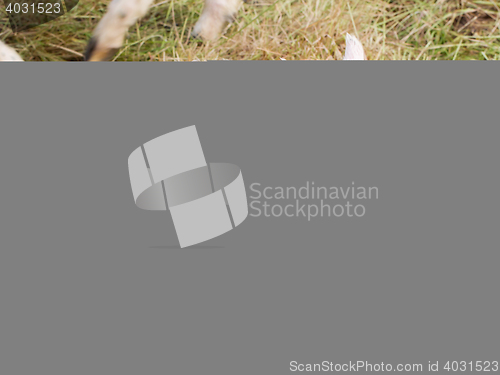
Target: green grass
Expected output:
[283,29]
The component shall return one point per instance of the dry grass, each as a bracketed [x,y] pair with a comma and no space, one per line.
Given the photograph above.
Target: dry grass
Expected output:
[283,29]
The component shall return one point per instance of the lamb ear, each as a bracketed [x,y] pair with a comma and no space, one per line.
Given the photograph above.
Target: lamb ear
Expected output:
[8,54]
[354,49]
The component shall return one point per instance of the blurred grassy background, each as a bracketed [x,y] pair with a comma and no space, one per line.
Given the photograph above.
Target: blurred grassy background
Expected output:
[283,29]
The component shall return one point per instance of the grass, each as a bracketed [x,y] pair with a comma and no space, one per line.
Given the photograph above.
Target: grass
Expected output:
[283,29]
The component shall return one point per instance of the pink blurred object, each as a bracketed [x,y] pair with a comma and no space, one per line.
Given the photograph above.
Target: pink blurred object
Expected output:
[354,49]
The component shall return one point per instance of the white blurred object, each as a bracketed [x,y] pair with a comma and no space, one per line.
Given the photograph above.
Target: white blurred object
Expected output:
[354,49]
[8,54]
